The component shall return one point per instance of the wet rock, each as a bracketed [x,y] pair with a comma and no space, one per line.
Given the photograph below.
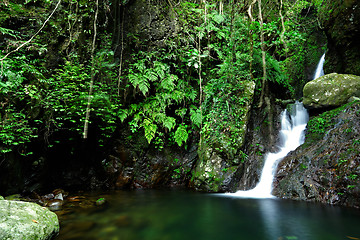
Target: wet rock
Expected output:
[331,90]
[100,202]
[75,199]
[48,196]
[59,192]
[326,168]
[26,221]
[55,204]
[219,155]
[14,197]
[341,23]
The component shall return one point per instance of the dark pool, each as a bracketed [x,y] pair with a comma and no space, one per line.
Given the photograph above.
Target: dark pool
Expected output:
[177,214]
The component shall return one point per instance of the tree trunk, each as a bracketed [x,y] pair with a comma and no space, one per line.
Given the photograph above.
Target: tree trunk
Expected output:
[87,117]
[251,37]
[282,34]
[263,54]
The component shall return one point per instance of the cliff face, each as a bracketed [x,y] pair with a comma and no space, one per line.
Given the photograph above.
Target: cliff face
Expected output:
[326,168]
[341,23]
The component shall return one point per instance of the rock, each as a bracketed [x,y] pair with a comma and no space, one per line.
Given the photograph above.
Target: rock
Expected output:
[219,155]
[1,198]
[55,204]
[13,197]
[331,90]
[326,168]
[341,23]
[26,221]
[100,202]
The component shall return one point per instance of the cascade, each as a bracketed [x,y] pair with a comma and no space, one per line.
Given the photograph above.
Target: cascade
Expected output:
[319,69]
[291,136]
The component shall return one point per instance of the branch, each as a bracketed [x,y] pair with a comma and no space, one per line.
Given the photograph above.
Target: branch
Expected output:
[28,41]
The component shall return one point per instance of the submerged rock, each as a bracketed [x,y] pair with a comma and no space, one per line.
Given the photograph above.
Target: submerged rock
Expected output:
[55,204]
[331,90]
[326,168]
[26,221]
[100,202]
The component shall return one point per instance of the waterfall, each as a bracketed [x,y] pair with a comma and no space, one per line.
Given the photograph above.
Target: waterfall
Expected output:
[319,69]
[291,136]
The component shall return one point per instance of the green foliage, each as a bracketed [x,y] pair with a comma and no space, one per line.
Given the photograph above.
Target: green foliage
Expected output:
[161,96]
[181,134]
[159,89]
[15,129]
[325,121]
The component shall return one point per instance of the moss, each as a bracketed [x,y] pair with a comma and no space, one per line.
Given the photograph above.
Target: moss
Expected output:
[319,125]
[27,221]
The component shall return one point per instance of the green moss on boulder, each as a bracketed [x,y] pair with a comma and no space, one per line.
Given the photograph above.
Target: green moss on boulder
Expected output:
[26,221]
[331,90]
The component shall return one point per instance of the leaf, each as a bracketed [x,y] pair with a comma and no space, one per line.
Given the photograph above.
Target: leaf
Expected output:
[196,117]
[218,18]
[169,123]
[181,112]
[144,86]
[150,129]
[181,135]
[151,75]
[123,114]
[168,83]
[192,95]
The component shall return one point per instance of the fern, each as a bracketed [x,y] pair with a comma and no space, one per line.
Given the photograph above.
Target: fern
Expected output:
[169,123]
[168,83]
[150,129]
[144,86]
[181,135]
[196,117]
[123,114]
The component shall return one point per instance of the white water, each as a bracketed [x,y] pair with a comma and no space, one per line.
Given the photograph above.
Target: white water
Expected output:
[291,136]
[319,69]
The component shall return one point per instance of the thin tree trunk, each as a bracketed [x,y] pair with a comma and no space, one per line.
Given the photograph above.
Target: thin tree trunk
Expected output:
[251,37]
[87,117]
[282,34]
[263,53]
[121,52]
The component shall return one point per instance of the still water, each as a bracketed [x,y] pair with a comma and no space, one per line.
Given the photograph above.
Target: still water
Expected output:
[177,214]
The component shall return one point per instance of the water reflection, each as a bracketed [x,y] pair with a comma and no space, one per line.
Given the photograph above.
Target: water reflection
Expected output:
[173,215]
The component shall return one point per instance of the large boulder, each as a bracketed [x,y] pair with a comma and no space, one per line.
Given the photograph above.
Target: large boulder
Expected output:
[331,90]
[326,168]
[26,221]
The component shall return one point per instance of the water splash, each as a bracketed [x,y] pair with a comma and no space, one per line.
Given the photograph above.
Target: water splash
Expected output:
[320,68]
[291,136]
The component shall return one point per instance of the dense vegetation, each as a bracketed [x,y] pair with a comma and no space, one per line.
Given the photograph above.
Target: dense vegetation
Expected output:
[83,75]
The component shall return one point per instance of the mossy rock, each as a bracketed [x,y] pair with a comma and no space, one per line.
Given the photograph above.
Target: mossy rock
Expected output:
[331,90]
[26,221]
[220,155]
